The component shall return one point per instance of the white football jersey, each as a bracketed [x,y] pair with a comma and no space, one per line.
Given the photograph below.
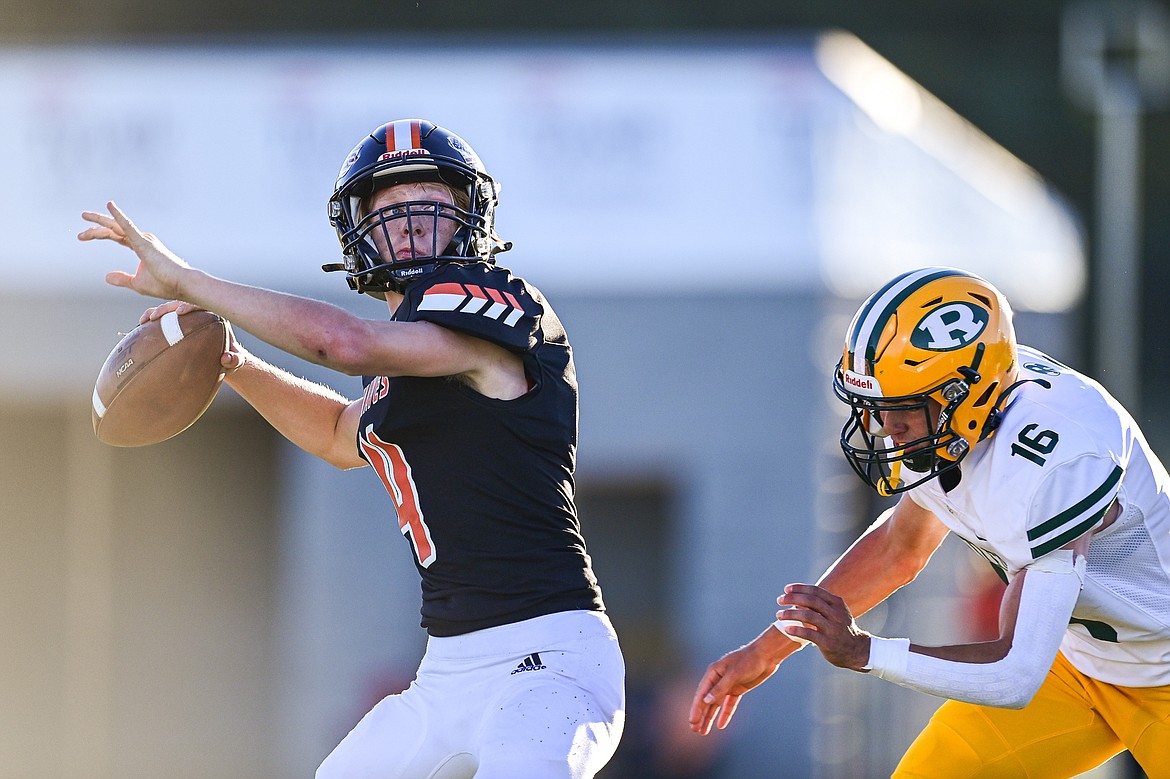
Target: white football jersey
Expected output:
[1064,451]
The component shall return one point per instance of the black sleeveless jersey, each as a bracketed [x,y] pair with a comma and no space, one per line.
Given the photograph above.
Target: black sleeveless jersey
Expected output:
[483,487]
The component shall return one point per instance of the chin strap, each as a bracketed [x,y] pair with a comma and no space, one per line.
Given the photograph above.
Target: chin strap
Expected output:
[996,414]
[887,485]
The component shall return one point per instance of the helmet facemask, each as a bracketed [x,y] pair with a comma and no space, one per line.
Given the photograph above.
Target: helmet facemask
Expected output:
[872,452]
[380,269]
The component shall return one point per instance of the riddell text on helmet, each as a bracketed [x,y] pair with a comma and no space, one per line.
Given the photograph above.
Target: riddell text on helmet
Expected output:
[390,155]
[863,385]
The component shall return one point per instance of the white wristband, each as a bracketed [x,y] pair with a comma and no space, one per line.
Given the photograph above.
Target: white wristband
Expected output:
[780,624]
[888,658]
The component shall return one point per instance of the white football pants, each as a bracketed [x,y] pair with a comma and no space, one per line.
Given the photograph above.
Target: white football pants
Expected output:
[539,699]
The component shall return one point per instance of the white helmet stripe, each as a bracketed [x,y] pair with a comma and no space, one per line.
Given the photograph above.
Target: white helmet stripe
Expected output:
[403,135]
[871,321]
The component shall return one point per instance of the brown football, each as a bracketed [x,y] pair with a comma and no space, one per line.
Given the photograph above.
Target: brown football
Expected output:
[159,379]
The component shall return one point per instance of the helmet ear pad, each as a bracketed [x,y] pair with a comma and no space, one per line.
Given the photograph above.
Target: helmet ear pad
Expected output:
[983,404]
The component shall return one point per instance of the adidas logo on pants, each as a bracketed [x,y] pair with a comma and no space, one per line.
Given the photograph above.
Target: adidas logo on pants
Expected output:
[530,663]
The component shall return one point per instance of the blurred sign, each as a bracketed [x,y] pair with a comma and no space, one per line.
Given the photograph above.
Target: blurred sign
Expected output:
[681,167]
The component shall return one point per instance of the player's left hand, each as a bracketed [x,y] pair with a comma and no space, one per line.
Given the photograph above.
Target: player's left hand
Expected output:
[236,355]
[159,269]
[730,677]
[724,684]
[833,630]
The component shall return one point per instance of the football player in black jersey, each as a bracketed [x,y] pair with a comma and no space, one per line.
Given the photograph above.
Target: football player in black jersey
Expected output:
[469,419]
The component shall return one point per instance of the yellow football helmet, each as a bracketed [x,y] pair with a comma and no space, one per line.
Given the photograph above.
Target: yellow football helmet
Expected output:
[939,340]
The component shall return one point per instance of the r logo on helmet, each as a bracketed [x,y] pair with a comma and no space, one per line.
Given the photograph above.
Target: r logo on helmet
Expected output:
[950,326]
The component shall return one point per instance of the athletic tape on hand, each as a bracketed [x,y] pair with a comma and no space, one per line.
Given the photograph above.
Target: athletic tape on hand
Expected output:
[780,624]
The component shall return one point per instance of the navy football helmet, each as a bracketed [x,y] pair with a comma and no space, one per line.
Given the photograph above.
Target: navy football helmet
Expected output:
[405,151]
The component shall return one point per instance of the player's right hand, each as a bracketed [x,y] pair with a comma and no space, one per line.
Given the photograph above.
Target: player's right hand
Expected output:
[159,269]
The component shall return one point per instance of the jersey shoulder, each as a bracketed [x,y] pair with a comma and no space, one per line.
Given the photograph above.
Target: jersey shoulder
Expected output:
[1060,449]
[481,300]
[1080,415]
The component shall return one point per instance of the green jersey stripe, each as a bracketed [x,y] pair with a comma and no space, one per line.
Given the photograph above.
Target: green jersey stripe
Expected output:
[1071,514]
[1069,535]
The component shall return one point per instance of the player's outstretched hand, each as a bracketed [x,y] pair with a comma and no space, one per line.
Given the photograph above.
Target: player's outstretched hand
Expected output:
[159,269]
[831,624]
[731,676]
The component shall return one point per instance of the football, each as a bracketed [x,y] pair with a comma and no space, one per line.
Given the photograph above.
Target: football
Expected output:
[159,379]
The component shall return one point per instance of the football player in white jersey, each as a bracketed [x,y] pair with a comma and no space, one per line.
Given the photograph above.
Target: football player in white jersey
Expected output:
[1040,470]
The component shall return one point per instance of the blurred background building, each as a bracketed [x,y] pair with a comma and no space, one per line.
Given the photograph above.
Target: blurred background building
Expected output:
[705,194]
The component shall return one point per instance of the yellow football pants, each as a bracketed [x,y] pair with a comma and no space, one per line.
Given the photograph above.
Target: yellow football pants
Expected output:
[1074,723]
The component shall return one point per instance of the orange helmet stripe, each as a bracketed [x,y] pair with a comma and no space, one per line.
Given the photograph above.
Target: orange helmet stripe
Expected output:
[403,135]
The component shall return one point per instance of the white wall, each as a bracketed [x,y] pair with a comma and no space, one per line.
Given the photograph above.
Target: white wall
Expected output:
[787,164]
